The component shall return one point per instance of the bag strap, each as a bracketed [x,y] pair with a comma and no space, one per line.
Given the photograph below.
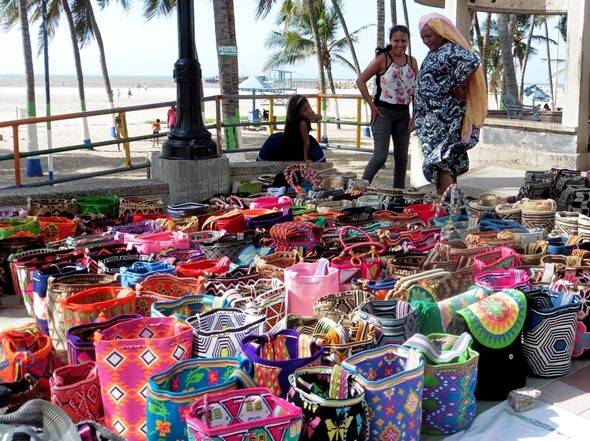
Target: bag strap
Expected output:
[427,348]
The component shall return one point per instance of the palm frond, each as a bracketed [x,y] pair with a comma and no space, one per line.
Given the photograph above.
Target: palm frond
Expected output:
[82,23]
[8,14]
[157,8]
[344,61]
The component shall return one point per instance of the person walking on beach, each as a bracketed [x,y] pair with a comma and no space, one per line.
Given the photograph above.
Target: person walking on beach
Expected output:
[156,130]
[171,117]
[395,73]
[129,93]
[451,101]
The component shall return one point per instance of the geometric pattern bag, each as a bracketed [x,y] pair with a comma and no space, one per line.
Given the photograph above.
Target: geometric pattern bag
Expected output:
[550,331]
[276,356]
[170,393]
[396,319]
[80,339]
[219,332]
[582,343]
[76,389]
[332,404]
[496,324]
[186,306]
[127,355]
[393,378]
[450,375]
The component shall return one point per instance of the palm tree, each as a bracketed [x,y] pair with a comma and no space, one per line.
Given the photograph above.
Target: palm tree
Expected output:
[495,72]
[13,11]
[543,22]
[229,78]
[505,39]
[338,11]
[393,9]
[380,23]
[86,29]
[407,21]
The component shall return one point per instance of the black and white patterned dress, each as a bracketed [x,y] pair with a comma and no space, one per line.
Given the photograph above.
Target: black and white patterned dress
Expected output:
[439,115]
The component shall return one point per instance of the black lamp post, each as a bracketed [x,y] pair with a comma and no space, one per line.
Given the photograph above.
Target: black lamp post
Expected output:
[189,139]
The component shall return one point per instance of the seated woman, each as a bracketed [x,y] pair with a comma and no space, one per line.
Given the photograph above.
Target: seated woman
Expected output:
[295,144]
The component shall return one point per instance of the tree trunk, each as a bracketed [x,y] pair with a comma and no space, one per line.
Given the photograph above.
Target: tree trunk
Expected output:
[103,62]
[393,4]
[33,141]
[310,4]
[505,37]
[355,60]
[549,71]
[78,65]
[484,53]
[407,21]
[526,56]
[380,23]
[332,87]
[478,35]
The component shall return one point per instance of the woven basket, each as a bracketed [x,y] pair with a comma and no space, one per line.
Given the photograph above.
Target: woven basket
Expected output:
[273,266]
[340,306]
[509,212]
[539,214]
[405,265]
[228,246]
[533,253]
[566,223]
[137,205]
[486,203]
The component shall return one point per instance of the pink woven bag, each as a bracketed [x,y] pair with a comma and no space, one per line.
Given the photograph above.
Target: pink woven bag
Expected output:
[127,355]
[307,282]
[155,242]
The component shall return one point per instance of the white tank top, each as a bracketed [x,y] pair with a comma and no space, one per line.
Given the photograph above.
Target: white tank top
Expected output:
[396,85]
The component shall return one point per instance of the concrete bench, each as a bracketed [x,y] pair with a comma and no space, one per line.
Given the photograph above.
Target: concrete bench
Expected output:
[120,187]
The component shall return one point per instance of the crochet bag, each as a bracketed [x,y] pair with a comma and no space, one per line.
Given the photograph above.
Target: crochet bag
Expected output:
[170,286]
[496,325]
[9,247]
[203,267]
[448,308]
[450,375]
[102,302]
[233,222]
[249,414]
[12,228]
[127,355]
[332,404]
[342,305]
[276,356]
[131,276]
[307,282]
[80,339]
[170,393]
[76,390]
[499,258]
[265,297]
[63,287]
[187,306]
[234,279]
[107,205]
[219,332]
[14,394]
[128,206]
[396,319]
[52,207]
[539,214]
[150,243]
[381,371]
[550,331]
[228,246]
[273,265]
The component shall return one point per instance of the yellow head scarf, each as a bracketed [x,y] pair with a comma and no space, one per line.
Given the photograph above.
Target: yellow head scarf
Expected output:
[477,95]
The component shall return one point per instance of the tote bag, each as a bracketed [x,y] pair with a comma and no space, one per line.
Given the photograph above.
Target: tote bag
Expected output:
[307,282]
[127,355]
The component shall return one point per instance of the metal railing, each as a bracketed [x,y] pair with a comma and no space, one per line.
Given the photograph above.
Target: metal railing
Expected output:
[124,138]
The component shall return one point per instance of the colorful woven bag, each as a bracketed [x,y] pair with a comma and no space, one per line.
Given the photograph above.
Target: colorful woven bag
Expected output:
[219,332]
[7,248]
[276,356]
[332,404]
[56,228]
[342,305]
[393,378]
[107,205]
[171,393]
[127,355]
[397,320]
[170,286]
[582,342]
[450,375]
[80,339]
[101,303]
[76,390]
[12,228]
[61,288]
[550,332]
[248,414]
[448,308]
[496,324]
[187,306]
[131,276]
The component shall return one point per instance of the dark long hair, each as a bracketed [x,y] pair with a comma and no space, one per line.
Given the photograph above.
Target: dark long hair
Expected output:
[292,136]
[393,30]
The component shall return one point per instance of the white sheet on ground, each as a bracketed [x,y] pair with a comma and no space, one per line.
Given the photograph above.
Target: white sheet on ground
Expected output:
[545,422]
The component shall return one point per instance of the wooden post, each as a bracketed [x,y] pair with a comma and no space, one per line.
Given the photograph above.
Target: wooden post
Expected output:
[319,112]
[358,122]
[271,114]
[218,124]
[125,135]
[16,153]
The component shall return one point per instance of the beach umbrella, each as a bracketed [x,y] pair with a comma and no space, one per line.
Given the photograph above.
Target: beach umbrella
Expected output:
[254,84]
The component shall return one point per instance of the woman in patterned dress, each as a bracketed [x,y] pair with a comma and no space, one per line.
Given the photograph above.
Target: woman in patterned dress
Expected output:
[395,74]
[450,100]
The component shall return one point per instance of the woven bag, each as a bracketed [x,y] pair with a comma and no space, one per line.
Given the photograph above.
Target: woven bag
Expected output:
[566,223]
[380,371]
[59,288]
[128,206]
[187,306]
[341,306]
[450,375]
[127,355]
[19,227]
[396,320]
[52,207]
[107,205]
[227,246]
[539,214]
[170,286]
[486,203]
[273,265]
[509,212]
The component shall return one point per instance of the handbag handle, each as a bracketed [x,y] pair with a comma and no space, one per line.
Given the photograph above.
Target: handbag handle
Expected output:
[425,346]
[345,229]
[376,247]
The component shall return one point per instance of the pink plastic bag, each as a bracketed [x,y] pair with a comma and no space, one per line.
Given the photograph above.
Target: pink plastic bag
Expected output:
[307,282]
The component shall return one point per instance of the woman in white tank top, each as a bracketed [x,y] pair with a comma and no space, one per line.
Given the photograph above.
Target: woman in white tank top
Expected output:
[395,73]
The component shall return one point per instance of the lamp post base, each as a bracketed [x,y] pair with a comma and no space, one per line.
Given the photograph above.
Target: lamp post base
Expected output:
[189,149]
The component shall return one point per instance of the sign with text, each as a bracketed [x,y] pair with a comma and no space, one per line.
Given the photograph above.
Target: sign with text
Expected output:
[227,51]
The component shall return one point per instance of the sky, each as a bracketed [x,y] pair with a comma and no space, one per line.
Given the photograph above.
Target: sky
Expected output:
[135,47]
